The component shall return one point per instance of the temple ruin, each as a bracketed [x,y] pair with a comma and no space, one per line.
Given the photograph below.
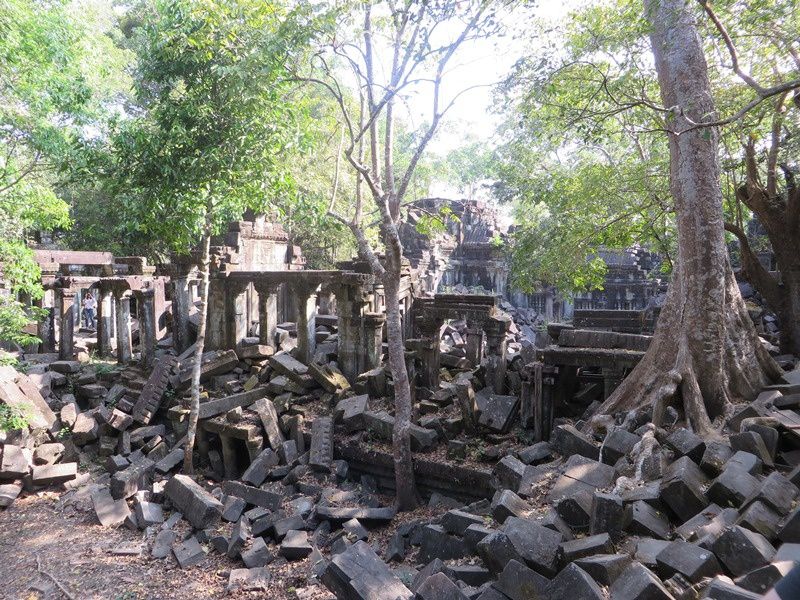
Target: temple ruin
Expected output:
[296,421]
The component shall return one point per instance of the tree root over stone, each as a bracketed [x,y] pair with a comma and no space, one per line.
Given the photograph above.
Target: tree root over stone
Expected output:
[700,378]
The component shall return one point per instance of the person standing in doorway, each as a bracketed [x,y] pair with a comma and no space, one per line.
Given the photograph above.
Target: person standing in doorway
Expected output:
[89,310]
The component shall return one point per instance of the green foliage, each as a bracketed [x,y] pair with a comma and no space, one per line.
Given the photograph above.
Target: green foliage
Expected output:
[584,156]
[53,85]
[215,124]
[12,418]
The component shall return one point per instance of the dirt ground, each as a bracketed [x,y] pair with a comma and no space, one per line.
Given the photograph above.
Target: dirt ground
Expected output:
[60,531]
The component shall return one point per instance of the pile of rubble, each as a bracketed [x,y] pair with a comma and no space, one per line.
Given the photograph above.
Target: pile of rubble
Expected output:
[646,513]
[640,512]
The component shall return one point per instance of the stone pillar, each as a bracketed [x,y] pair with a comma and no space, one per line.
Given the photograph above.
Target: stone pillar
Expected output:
[216,336]
[47,330]
[495,328]
[306,299]
[105,321]
[474,339]
[181,302]
[147,326]
[267,313]
[612,377]
[66,340]
[373,340]
[411,368]
[123,307]
[235,312]
[429,353]
[548,305]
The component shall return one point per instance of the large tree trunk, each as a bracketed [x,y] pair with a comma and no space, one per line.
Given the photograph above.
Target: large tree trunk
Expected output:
[406,498]
[194,401]
[705,352]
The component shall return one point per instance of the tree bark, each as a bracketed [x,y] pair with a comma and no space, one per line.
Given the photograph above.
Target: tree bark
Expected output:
[780,218]
[194,402]
[705,353]
[406,496]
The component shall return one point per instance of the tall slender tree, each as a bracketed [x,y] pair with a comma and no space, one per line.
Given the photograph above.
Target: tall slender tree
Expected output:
[409,34]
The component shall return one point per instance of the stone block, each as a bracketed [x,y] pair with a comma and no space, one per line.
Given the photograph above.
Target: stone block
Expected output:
[48,454]
[691,561]
[258,470]
[85,430]
[162,545]
[733,486]
[608,515]
[618,443]
[536,454]
[573,582]
[170,461]
[507,504]
[604,568]
[586,546]
[253,495]
[643,519]
[509,472]
[686,443]
[537,545]
[762,519]
[148,513]
[689,528]
[496,549]
[742,551]
[233,508]
[295,546]
[360,574]
[321,454]
[15,462]
[568,441]
[240,534]
[682,488]
[777,492]
[199,507]
[790,528]
[131,479]
[189,553]
[437,543]
[350,412]
[265,410]
[763,579]
[518,582]
[110,512]
[752,442]
[723,589]
[439,587]
[50,474]
[457,521]
[637,581]
[8,493]
[715,457]
[747,461]
[256,579]
[257,554]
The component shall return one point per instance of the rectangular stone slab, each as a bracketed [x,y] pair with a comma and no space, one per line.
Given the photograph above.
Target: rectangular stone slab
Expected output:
[358,573]
[212,408]
[321,454]
[199,507]
[150,398]
[265,410]
[253,495]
